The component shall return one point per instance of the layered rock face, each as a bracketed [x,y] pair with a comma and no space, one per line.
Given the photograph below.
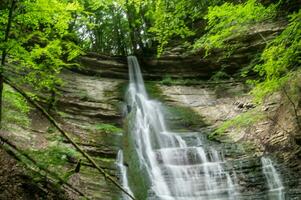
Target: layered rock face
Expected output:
[92,96]
[88,101]
[273,135]
[181,62]
[89,109]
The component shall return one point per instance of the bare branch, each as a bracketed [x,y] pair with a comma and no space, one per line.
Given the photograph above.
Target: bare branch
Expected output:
[67,136]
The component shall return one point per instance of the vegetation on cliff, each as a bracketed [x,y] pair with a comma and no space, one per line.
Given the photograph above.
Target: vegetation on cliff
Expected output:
[41,38]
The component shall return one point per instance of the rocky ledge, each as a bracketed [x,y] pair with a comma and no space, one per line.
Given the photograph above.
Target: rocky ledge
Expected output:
[180,62]
[89,109]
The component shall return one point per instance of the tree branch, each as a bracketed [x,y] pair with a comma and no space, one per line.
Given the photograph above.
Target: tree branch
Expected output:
[47,171]
[67,136]
[294,107]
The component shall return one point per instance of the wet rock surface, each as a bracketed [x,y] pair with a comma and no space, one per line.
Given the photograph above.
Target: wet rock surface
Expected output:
[243,147]
[86,103]
[91,96]
[87,109]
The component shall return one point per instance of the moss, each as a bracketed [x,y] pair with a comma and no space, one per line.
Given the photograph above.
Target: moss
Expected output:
[241,121]
[151,87]
[55,156]
[83,95]
[55,137]
[185,117]
[249,147]
[51,129]
[121,89]
[137,174]
[15,109]
[34,177]
[107,128]
[63,114]
[154,90]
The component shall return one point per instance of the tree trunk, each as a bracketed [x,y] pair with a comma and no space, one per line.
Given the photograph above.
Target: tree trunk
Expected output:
[4,54]
[117,27]
[130,18]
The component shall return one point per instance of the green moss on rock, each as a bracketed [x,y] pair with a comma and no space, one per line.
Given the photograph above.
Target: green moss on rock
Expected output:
[183,117]
[154,90]
[137,174]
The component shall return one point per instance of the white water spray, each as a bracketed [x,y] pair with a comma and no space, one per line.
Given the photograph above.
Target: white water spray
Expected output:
[177,171]
[273,179]
[123,176]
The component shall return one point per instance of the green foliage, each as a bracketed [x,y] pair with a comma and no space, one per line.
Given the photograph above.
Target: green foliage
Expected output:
[107,128]
[106,27]
[63,114]
[167,80]
[169,22]
[280,59]
[39,41]
[174,18]
[230,20]
[15,109]
[36,176]
[243,120]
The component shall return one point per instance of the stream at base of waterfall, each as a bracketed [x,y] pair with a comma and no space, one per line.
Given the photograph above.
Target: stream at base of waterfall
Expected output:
[177,170]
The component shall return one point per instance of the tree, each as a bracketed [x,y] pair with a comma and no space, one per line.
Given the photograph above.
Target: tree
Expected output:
[230,20]
[37,41]
[280,60]
[176,19]
[5,51]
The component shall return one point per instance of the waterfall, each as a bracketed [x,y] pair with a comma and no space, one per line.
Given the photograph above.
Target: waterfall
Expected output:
[176,170]
[273,179]
[123,175]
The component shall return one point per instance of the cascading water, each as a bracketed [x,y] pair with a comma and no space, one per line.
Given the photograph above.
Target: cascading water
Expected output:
[273,179]
[176,171]
[123,175]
